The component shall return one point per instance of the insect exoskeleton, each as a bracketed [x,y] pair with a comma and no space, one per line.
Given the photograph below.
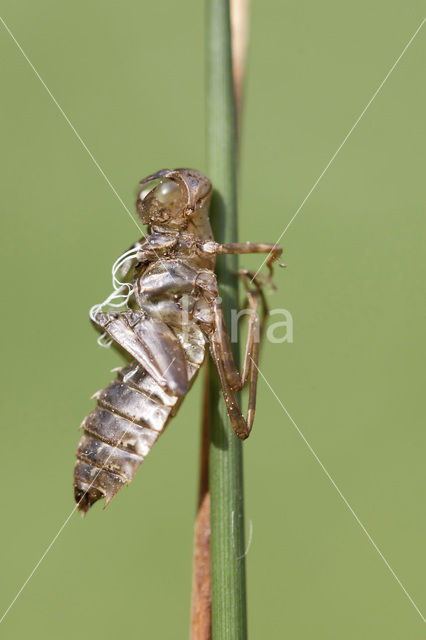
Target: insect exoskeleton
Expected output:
[164,308]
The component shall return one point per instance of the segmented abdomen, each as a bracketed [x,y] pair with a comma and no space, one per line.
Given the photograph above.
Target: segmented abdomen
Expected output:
[130,415]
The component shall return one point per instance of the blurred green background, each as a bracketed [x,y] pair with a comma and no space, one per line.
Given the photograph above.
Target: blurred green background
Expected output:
[130,76]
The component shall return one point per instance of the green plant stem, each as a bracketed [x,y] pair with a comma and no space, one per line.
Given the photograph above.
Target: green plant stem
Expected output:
[225,451]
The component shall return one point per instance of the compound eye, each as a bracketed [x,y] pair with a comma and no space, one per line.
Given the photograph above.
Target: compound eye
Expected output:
[167,191]
[144,193]
[150,186]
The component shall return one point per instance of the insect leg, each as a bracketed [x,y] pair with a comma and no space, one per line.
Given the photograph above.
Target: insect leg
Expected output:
[238,421]
[252,364]
[235,380]
[251,247]
[229,376]
[255,326]
[251,357]
[273,250]
[227,359]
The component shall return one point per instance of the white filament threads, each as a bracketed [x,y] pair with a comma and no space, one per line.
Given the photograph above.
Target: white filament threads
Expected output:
[121,294]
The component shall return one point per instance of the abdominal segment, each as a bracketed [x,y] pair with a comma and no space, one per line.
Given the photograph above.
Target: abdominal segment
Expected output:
[131,413]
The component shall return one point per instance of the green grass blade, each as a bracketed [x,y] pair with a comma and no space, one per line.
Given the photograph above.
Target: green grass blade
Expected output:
[225,463]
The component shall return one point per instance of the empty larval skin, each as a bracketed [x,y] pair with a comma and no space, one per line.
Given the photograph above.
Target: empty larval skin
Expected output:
[169,311]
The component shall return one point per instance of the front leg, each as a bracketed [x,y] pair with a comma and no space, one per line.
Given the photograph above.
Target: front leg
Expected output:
[274,251]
